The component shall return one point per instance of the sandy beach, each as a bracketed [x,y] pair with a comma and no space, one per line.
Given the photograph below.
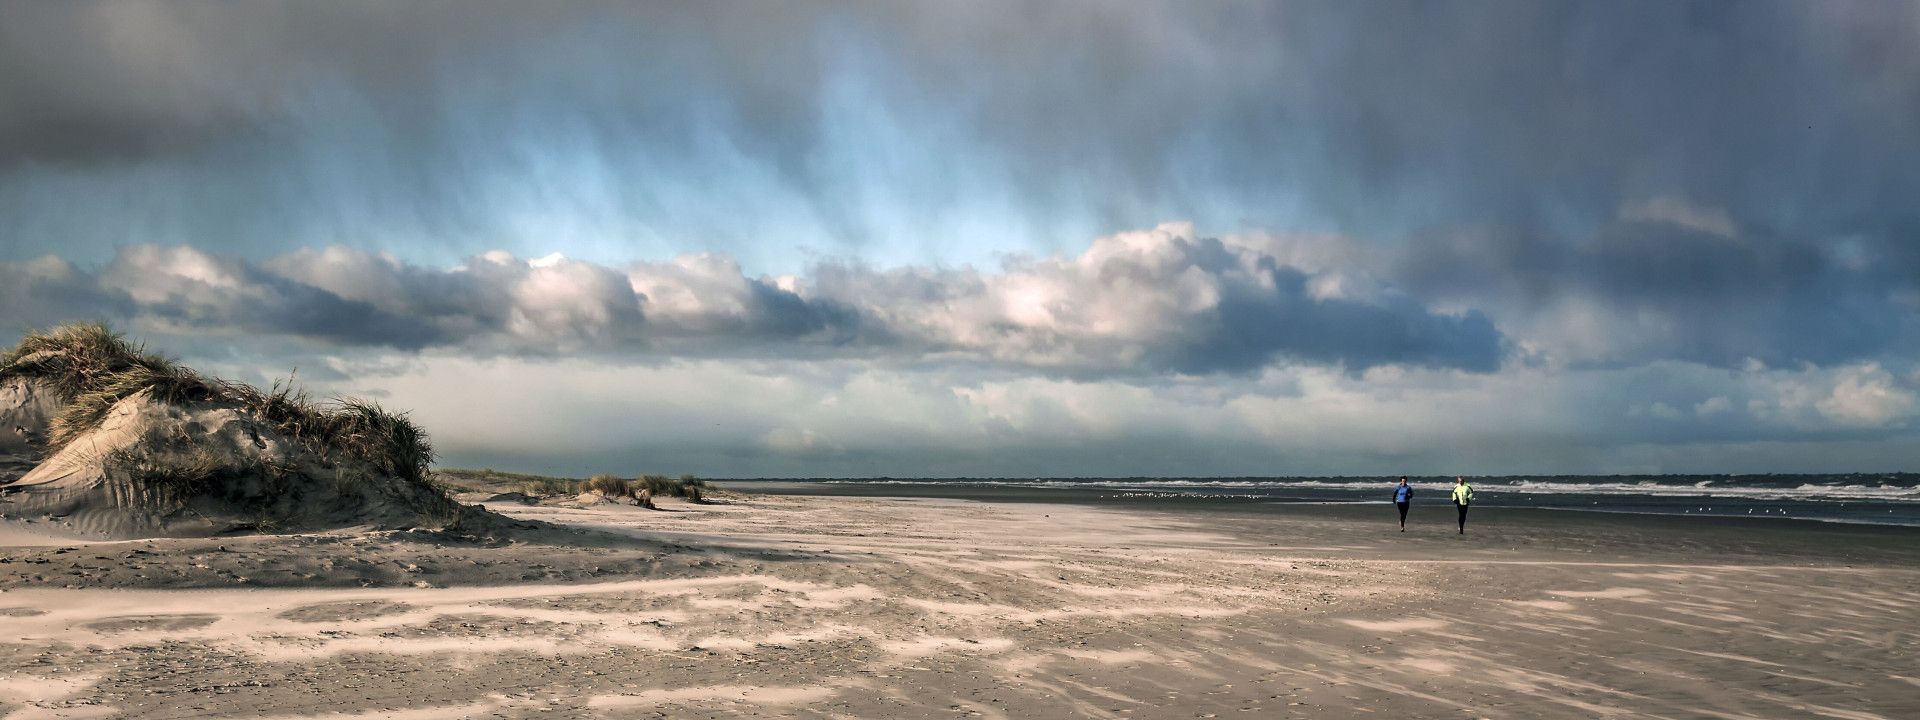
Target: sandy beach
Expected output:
[801,606]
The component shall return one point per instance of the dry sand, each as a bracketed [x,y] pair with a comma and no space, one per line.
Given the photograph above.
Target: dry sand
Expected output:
[780,606]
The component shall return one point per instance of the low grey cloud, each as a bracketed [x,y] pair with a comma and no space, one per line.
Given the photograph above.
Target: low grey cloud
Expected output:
[1675,281]
[48,290]
[733,417]
[180,287]
[1146,302]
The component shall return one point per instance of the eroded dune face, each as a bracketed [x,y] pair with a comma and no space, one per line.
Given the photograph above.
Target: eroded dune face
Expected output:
[27,406]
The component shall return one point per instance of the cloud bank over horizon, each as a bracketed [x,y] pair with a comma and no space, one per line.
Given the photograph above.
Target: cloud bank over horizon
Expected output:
[1244,355]
[1140,303]
[1000,238]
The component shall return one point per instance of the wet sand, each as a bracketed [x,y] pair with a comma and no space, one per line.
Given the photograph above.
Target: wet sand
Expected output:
[840,607]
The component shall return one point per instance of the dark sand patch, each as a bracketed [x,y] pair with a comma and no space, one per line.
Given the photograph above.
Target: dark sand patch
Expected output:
[143,623]
[345,611]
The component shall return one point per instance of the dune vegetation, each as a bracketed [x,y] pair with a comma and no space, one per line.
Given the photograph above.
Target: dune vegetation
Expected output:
[684,486]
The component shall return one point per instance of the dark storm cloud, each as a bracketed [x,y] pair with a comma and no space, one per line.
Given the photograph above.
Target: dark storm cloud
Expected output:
[102,82]
[1253,328]
[1371,117]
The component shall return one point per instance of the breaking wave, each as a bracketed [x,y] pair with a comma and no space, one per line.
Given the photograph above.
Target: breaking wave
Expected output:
[1897,489]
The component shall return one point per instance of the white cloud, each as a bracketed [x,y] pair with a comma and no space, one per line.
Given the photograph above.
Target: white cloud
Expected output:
[154,275]
[1866,395]
[1859,396]
[797,441]
[1679,212]
[1712,406]
[568,305]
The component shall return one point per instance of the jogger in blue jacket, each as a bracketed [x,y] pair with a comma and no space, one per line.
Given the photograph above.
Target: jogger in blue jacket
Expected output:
[1403,497]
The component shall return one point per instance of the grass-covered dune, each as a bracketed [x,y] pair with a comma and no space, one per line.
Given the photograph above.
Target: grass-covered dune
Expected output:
[119,441]
[488,480]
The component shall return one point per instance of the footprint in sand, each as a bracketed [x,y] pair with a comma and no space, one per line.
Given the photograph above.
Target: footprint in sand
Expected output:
[152,622]
[1393,626]
[1556,605]
[1619,593]
[930,645]
[1429,666]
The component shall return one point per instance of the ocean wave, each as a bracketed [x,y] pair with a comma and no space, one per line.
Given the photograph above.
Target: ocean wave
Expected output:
[1805,491]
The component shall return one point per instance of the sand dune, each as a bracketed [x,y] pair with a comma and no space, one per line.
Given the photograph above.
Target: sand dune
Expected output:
[101,439]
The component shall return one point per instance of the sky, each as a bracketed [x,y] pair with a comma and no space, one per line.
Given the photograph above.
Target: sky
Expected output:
[923,239]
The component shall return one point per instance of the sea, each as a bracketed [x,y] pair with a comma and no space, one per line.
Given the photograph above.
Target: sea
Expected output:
[1867,498]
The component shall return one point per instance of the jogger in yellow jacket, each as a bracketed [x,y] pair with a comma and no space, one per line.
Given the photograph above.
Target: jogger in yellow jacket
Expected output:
[1462,496]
